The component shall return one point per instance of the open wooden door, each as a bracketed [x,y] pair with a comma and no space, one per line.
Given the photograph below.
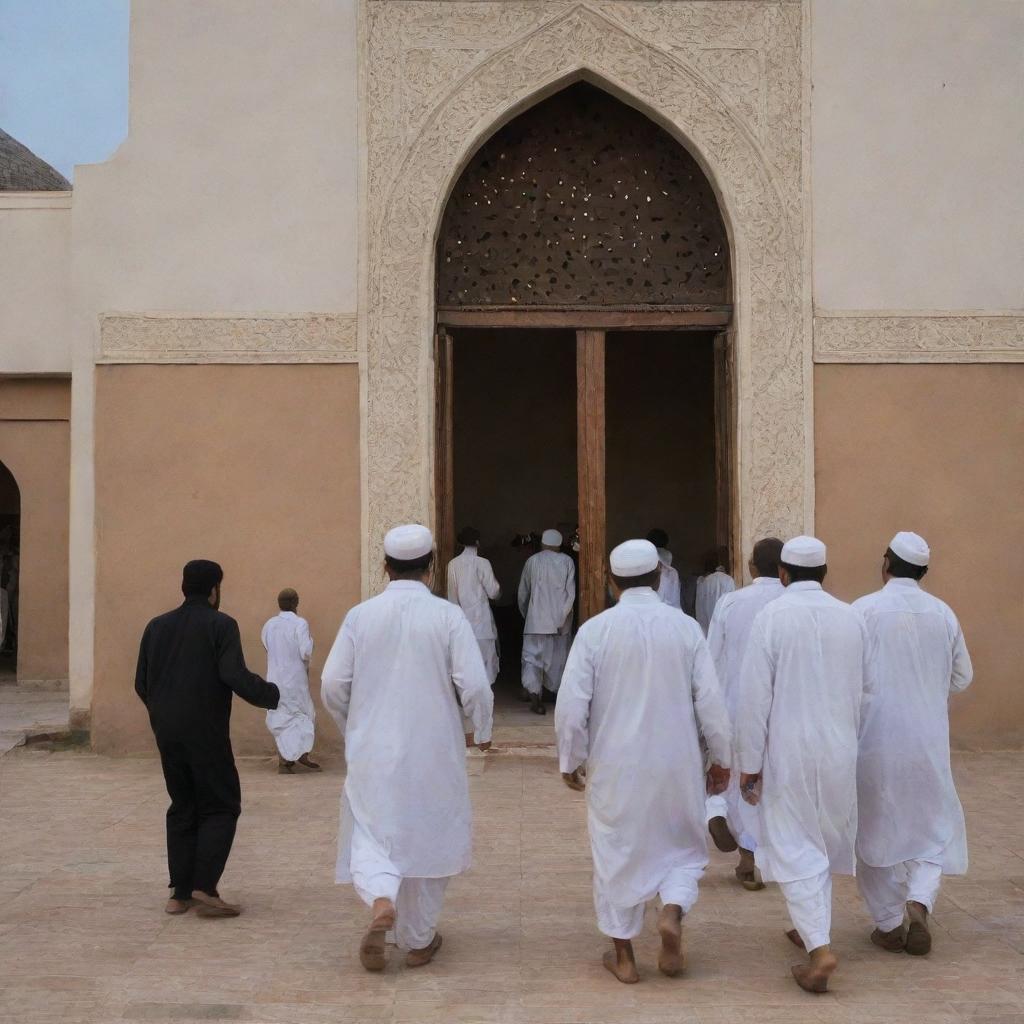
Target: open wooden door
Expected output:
[590,469]
[444,457]
[725,385]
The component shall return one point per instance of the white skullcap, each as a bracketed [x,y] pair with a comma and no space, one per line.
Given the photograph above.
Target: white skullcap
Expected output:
[665,555]
[407,543]
[910,547]
[551,539]
[634,558]
[807,552]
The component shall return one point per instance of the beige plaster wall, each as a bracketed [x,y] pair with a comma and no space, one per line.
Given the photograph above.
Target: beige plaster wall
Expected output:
[35,447]
[935,449]
[917,146]
[35,262]
[256,467]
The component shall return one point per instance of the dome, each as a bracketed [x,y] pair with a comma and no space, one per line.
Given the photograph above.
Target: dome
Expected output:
[22,171]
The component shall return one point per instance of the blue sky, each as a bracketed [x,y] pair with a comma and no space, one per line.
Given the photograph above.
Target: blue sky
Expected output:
[64,77]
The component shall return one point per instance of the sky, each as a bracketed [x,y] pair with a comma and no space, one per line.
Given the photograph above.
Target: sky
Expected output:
[64,78]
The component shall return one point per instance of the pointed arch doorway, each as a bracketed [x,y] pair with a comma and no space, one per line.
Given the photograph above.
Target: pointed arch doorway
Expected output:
[584,358]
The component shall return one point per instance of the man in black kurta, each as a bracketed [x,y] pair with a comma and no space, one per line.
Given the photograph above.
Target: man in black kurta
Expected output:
[190,663]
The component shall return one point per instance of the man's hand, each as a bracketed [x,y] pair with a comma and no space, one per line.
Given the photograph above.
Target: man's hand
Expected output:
[574,780]
[750,788]
[718,779]
[484,746]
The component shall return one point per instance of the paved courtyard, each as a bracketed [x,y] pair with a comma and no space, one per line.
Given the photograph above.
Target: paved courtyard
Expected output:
[83,937]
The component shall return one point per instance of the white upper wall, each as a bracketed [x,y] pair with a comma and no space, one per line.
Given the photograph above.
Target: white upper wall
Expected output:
[918,154]
[35,251]
[235,190]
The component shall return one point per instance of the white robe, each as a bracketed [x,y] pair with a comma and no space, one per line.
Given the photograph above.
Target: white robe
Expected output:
[547,592]
[802,690]
[727,640]
[638,692]
[390,683]
[472,586]
[289,648]
[669,589]
[710,590]
[908,805]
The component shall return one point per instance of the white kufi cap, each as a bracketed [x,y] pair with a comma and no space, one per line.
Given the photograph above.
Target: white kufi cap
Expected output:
[551,539]
[634,558]
[910,547]
[407,543]
[807,552]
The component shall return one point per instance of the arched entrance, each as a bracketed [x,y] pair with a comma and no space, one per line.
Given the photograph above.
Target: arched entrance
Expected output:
[584,360]
[10,556]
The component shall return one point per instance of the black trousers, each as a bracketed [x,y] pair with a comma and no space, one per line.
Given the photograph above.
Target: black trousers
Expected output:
[206,800]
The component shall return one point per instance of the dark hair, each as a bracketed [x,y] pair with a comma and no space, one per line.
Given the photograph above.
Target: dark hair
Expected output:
[649,579]
[469,537]
[659,538]
[288,600]
[409,566]
[902,569]
[804,573]
[199,577]
[766,556]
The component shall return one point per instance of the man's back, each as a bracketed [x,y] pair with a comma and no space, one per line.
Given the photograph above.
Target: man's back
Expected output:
[547,592]
[472,586]
[288,643]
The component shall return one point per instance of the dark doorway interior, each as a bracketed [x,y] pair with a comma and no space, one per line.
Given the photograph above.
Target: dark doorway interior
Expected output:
[10,549]
[514,456]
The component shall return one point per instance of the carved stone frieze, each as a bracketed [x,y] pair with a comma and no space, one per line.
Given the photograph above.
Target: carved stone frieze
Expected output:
[183,338]
[440,76]
[918,338]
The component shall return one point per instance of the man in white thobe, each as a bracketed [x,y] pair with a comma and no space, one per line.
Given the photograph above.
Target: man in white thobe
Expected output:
[911,825]
[289,647]
[711,588]
[732,822]
[668,588]
[547,593]
[802,693]
[638,693]
[390,682]
[472,586]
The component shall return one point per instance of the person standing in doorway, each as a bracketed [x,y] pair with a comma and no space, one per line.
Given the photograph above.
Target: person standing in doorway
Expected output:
[547,594]
[668,589]
[390,682]
[732,822]
[713,586]
[910,823]
[802,696]
[289,647]
[190,664]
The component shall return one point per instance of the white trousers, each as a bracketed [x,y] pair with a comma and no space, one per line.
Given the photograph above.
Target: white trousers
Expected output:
[489,652]
[742,818]
[887,891]
[679,887]
[418,901]
[544,658]
[809,902]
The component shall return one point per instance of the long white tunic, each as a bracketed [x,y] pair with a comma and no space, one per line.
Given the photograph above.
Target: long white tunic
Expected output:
[547,592]
[638,691]
[289,648]
[917,658]
[727,640]
[390,683]
[801,694]
[710,590]
[472,586]
[669,589]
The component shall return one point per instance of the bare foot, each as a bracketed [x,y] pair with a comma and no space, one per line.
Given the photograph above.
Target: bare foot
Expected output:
[746,872]
[919,938]
[814,975]
[621,962]
[724,839]
[372,948]
[670,928]
[285,767]
[891,942]
[794,936]
[422,957]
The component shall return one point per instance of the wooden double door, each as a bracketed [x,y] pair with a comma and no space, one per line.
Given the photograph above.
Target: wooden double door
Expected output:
[591,424]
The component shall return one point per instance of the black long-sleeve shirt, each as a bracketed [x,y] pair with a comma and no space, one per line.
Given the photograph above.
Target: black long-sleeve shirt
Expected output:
[190,663]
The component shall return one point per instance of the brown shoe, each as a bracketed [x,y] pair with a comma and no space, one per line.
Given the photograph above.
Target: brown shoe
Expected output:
[213,906]
[724,840]
[285,767]
[919,938]
[311,765]
[892,942]
[422,957]
[176,906]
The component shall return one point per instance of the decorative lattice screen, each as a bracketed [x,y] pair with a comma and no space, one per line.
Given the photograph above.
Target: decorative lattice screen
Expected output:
[581,200]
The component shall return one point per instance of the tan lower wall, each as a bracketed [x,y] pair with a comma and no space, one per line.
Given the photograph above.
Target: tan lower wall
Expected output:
[35,445]
[938,450]
[256,467]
